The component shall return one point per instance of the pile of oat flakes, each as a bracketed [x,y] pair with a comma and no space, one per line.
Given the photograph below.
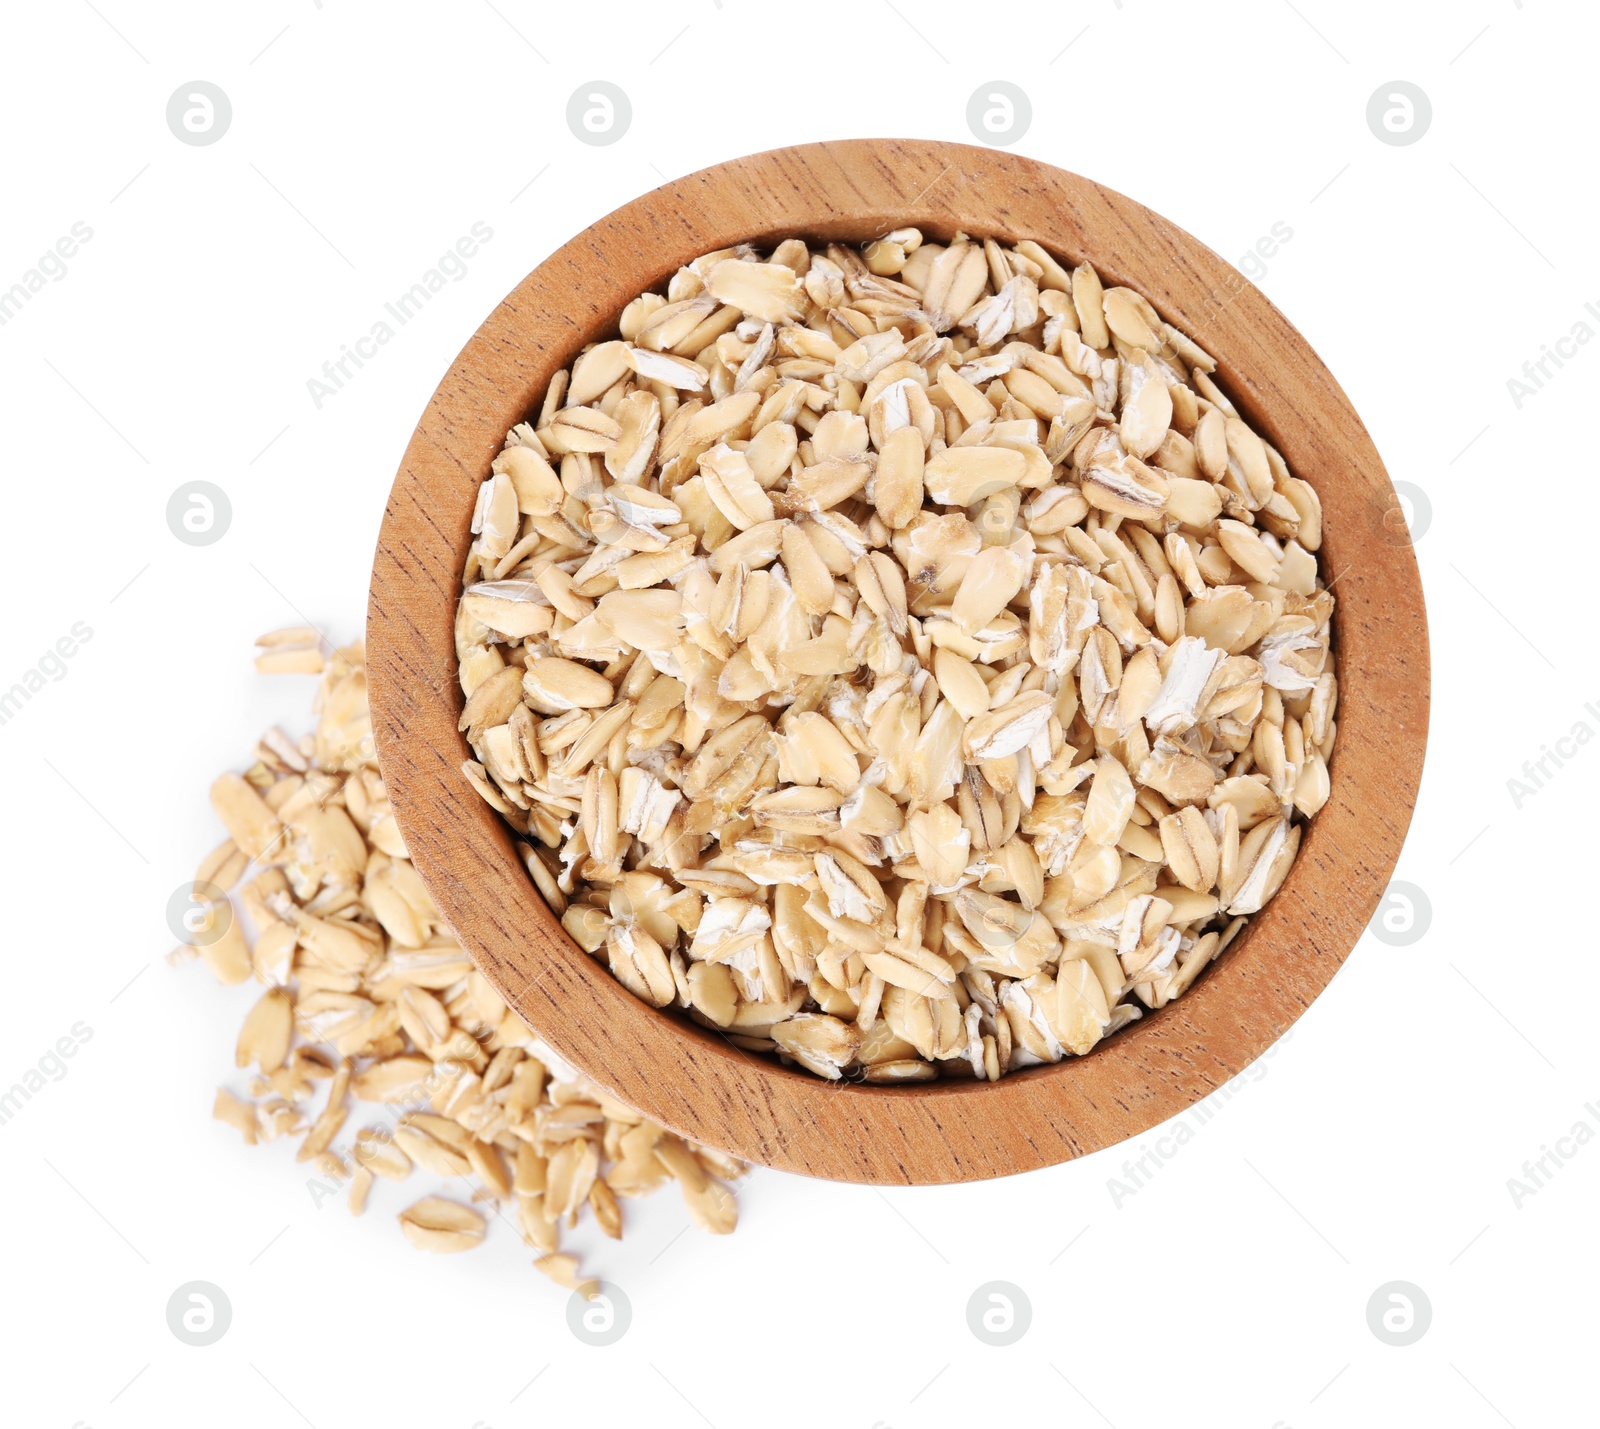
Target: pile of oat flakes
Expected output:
[369,999]
[904,660]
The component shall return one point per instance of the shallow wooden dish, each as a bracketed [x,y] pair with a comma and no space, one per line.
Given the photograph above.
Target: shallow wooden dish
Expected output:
[693,1081]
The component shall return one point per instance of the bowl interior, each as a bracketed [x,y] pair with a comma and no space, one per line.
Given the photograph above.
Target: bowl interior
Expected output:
[683,1075]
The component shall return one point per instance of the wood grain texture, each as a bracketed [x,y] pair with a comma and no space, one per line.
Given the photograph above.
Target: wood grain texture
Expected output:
[693,1081]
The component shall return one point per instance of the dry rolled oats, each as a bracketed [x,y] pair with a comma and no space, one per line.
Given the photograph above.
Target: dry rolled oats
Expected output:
[906,662]
[366,989]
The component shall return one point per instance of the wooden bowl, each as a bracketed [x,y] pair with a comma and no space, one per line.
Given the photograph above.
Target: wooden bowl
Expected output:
[694,1082]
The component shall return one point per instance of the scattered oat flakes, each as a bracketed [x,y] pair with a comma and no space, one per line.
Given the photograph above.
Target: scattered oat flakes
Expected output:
[366,990]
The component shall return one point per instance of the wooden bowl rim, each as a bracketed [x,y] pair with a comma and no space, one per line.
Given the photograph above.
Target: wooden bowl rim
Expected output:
[683,1076]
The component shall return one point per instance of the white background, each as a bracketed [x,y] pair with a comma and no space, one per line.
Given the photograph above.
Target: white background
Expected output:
[1375,1144]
